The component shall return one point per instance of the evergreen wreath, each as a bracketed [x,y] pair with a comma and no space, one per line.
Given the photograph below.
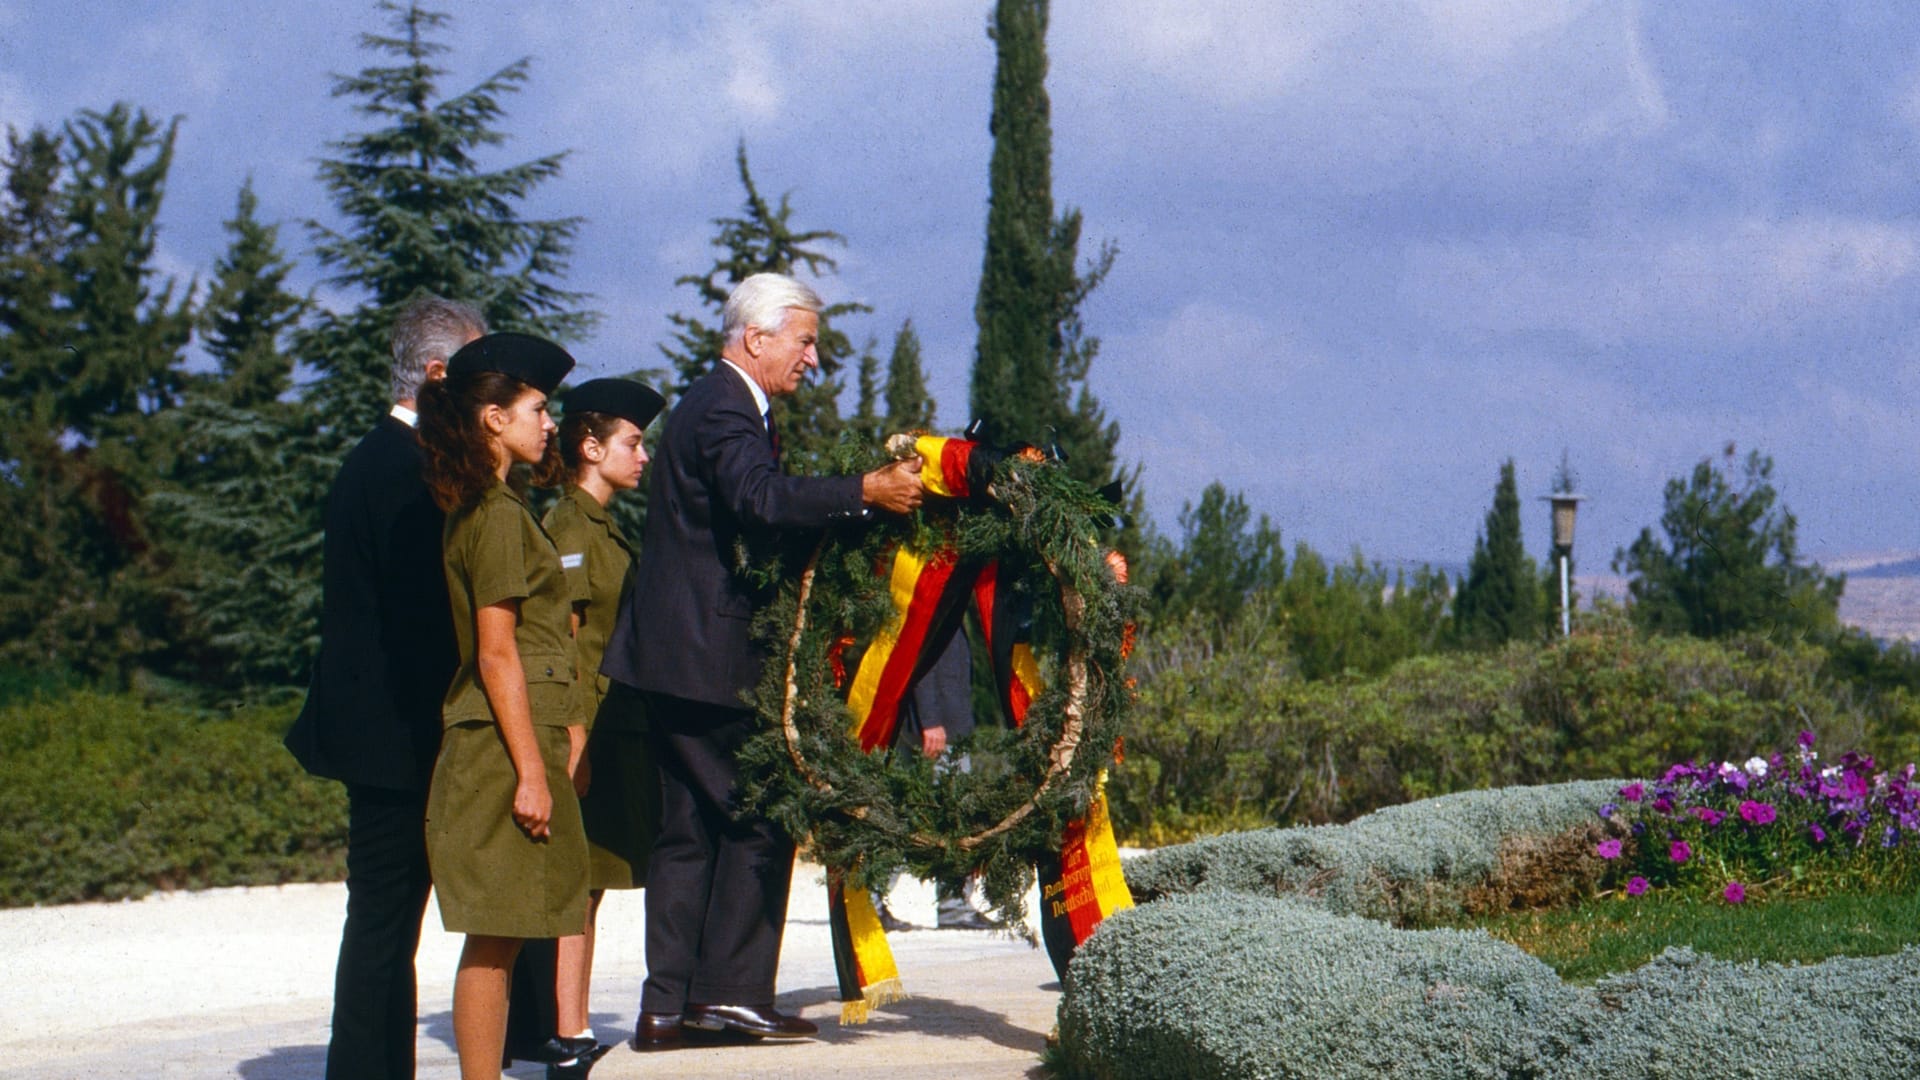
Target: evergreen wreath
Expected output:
[867,816]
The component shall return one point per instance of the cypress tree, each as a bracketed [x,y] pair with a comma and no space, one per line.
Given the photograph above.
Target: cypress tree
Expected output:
[764,240]
[1033,355]
[422,215]
[909,406]
[866,414]
[1500,599]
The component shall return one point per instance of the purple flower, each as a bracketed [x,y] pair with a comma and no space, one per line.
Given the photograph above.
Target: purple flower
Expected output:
[1890,837]
[1707,814]
[1681,851]
[1806,738]
[1663,804]
[1819,834]
[1735,893]
[1633,792]
[1636,886]
[1757,813]
[1607,809]
[1607,849]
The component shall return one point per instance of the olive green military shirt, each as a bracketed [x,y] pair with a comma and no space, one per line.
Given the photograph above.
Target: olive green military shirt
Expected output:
[495,551]
[599,562]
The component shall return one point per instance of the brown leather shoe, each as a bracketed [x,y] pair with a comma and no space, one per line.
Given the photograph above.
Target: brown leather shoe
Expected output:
[760,1020]
[657,1031]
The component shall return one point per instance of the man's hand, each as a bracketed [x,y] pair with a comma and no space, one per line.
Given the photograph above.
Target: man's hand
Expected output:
[895,488]
[933,740]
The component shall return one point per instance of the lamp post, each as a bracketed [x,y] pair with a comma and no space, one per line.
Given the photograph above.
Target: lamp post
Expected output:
[1565,505]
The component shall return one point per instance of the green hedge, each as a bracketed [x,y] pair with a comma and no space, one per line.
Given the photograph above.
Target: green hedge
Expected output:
[1271,954]
[1234,740]
[1229,985]
[103,796]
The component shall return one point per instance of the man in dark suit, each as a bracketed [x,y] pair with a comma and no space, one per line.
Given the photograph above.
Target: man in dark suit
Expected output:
[717,886]
[372,715]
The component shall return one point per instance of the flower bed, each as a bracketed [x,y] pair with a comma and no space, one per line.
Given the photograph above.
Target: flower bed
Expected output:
[1770,826]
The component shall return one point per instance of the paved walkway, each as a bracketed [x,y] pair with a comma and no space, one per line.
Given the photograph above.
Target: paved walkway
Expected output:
[237,982]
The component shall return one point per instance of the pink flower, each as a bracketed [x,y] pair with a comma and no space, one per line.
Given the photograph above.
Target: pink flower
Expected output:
[1633,792]
[1607,849]
[1756,813]
[1707,814]
[1735,893]
[1681,851]
[1636,886]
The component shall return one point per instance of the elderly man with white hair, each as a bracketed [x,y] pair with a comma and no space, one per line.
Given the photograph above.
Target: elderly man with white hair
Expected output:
[717,885]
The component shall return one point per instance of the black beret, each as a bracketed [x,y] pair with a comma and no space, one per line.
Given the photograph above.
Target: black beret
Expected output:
[535,361]
[624,398]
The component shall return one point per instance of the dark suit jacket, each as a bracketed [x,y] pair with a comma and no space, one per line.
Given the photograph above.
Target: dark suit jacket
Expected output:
[714,483]
[387,651]
[943,697]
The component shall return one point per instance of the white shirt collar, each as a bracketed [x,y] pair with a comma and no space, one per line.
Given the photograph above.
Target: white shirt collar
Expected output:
[759,395]
[405,415]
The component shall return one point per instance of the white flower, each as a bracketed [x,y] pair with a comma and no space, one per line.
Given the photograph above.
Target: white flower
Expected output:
[1831,772]
[1756,766]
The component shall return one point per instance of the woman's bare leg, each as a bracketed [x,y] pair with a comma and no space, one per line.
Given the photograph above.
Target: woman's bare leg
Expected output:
[480,1004]
[575,974]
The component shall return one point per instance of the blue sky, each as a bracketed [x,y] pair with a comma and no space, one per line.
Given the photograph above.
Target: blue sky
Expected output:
[1367,251]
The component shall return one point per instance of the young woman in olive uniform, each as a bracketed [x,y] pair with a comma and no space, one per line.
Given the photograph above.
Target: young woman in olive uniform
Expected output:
[504,838]
[600,455]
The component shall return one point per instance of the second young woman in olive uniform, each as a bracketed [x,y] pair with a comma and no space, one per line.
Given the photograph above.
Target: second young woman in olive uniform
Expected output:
[600,455]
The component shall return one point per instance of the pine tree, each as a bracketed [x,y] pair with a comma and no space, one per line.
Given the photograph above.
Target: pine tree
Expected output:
[1500,599]
[909,406]
[423,216]
[248,313]
[1730,561]
[91,351]
[763,240]
[124,354]
[247,473]
[1033,355]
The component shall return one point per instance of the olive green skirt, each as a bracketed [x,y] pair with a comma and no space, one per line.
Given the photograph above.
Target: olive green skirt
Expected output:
[621,808]
[492,878]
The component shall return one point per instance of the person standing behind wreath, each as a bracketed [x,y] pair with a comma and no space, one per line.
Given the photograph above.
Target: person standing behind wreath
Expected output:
[504,838]
[600,455]
[372,714]
[717,884]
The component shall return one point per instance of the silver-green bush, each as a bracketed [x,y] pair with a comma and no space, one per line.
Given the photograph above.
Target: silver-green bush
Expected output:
[1400,864]
[1225,985]
[1269,954]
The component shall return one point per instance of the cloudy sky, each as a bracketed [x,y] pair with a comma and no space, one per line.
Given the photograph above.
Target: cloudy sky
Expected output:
[1367,251]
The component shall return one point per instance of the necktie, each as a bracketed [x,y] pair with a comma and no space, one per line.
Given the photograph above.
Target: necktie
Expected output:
[773,435]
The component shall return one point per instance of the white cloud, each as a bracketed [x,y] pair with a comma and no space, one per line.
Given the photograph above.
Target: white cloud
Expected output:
[1729,280]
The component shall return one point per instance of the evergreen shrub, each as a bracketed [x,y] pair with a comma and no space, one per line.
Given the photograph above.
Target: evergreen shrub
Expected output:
[103,796]
[1233,738]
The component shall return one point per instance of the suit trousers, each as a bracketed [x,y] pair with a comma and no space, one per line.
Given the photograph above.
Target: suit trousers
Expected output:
[533,1012]
[374,991]
[716,886]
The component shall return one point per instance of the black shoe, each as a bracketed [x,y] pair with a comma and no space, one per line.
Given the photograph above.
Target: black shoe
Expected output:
[553,1051]
[579,1067]
[968,919]
[892,923]
[759,1020]
[657,1031]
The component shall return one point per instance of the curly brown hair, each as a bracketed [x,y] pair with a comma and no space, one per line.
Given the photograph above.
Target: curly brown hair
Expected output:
[460,463]
[562,463]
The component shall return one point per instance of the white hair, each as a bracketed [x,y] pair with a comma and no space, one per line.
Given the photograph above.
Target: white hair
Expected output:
[429,329]
[763,300]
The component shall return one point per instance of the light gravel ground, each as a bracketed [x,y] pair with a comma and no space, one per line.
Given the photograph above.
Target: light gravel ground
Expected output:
[238,982]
